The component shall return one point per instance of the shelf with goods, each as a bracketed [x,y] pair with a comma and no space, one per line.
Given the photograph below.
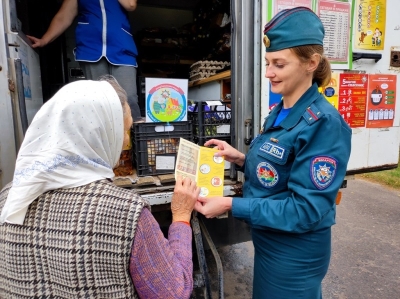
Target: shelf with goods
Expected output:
[172,45]
[165,52]
[170,48]
[216,87]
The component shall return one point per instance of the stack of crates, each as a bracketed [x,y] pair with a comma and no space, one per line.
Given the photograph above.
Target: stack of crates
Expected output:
[211,120]
[155,146]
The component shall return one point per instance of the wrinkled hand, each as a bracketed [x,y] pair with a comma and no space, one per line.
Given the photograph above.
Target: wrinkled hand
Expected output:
[227,151]
[36,42]
[213,206]
[185,196]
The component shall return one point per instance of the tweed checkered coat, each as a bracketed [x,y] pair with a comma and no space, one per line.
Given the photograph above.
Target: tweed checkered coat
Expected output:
[75,243]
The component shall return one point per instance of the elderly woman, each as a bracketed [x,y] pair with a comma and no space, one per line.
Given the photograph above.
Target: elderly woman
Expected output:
[294,168]
[67,231]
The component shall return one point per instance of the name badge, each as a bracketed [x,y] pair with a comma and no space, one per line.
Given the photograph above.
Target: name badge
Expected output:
[273,150]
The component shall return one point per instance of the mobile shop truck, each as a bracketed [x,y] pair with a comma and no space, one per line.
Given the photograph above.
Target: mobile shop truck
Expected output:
[362,42]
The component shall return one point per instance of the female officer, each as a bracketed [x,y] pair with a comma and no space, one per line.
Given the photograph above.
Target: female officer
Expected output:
[294,168]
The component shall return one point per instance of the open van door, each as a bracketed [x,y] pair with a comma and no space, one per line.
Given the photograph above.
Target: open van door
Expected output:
[21,87]
[7,144]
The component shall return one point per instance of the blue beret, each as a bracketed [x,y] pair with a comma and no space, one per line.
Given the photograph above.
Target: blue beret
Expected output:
[294,27]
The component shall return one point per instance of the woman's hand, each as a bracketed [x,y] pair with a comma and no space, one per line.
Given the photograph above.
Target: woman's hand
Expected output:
[36,42]
[61,21]
[228,152]
[184,198]
[213,206]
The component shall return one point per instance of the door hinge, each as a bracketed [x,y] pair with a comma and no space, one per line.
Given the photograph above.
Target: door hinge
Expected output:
[11,85]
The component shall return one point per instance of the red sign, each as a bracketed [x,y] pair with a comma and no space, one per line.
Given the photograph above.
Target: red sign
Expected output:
[352,98]
[381,101]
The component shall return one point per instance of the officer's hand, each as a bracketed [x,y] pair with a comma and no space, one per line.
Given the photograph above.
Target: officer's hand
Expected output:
[213,206]
[227,151]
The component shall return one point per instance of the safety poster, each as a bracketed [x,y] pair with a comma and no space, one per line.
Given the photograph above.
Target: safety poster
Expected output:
[381,100]
[352,98]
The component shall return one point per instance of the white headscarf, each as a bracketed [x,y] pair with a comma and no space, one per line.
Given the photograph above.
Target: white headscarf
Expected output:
[74,139]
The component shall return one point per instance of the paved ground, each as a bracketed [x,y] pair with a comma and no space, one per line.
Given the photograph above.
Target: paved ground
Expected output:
[365,252]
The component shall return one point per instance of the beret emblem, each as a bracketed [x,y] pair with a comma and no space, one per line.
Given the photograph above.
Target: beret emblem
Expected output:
[266,41]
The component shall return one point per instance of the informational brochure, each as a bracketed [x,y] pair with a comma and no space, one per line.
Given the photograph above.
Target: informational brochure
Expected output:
[200,165]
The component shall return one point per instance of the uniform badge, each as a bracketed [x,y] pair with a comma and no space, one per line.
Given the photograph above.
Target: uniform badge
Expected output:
[273,150]
[267,42]
[323,171]
[267,175]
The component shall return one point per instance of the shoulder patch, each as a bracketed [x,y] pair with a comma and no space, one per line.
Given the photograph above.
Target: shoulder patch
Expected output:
[323,171]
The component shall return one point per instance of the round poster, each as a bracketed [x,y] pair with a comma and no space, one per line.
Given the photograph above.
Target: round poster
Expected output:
[166,103]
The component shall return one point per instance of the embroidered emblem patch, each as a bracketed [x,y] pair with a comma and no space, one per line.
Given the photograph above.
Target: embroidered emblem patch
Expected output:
[273,150]
[267,175]
[323,171]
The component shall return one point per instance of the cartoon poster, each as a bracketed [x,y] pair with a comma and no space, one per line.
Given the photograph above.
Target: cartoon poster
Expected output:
[336,17]
[331,92]
[370,20]
[352,98]
[166,99]
[381,101]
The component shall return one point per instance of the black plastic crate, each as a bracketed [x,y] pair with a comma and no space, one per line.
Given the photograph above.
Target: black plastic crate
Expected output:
[211,122]
[155,146]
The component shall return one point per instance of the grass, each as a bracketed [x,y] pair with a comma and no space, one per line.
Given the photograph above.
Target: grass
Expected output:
[389,178]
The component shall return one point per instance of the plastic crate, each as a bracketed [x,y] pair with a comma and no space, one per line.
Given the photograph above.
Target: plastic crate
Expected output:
[211,121]
[155,146]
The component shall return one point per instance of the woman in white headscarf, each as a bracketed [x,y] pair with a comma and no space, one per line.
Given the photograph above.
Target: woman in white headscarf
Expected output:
[67,231]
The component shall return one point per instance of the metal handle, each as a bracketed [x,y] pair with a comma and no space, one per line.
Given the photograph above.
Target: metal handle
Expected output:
[247,126]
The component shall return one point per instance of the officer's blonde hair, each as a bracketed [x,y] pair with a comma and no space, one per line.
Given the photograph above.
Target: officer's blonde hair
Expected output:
[322,75]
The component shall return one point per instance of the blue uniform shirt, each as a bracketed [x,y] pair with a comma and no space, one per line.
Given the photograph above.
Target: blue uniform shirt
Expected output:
[103,30]
[293,171]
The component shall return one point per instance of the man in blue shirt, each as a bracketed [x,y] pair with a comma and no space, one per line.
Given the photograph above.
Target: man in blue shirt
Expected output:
[104,43]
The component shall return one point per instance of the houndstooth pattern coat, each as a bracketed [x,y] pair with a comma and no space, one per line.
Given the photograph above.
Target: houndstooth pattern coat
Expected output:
[74,243]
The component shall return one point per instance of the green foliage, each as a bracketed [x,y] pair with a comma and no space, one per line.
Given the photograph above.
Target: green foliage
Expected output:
[389,178]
